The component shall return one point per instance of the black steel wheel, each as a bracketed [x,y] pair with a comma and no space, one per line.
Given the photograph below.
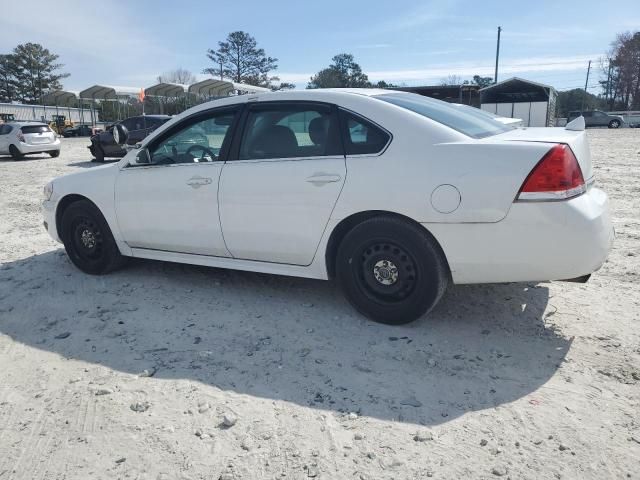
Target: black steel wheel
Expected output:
[15,153]
[88,239]
[391,270]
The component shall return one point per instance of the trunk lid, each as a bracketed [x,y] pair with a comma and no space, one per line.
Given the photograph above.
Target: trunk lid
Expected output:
[37,134]
[577,140]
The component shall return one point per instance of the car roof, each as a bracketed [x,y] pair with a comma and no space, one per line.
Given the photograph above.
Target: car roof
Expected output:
[26,124]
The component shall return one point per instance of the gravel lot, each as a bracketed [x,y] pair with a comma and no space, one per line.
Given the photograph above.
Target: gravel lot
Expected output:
[141,374]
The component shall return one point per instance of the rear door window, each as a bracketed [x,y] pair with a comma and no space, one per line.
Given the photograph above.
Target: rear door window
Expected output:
[35,129]
[290,130]
[360,136]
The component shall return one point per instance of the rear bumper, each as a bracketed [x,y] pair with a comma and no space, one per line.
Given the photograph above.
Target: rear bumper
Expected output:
[536,241]
[26,148]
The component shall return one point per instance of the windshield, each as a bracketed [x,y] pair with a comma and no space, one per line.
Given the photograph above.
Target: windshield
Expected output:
[459,119]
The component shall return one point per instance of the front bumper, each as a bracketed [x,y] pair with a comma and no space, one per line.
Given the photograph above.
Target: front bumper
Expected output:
[48,209]
[536,241]
[26,148]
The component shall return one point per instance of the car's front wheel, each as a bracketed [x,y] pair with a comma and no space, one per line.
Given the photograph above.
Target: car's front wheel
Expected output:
[55,153]
[88,240]
[614,124]
[390,270]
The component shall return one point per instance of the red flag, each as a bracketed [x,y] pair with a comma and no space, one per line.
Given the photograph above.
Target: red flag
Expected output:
[141,95]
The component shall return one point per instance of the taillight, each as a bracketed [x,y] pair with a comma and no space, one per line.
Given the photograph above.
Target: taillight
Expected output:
[21,137]
[556,177]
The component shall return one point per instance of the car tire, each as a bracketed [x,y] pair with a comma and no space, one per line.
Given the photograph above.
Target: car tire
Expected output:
[15,153]
[614,124]
[98,153]
[55,154]
[88,240]
[391,270]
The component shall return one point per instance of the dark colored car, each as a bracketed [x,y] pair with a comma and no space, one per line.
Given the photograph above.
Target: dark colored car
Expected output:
[596,118]
[103,145]
[78,131]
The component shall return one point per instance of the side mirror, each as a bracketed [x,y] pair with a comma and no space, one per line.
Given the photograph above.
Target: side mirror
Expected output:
[120,134]
[142,158]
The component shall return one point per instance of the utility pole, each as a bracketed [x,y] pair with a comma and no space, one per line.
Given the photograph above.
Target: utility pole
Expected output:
[609,92]
[495,77]
[586,83]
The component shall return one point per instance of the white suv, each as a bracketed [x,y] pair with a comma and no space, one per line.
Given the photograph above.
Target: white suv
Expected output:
[21,138]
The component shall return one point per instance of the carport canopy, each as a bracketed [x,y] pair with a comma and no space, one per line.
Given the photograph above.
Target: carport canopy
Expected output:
[61,98]
[166,90]
[221,88]
[108,92]
[516,90]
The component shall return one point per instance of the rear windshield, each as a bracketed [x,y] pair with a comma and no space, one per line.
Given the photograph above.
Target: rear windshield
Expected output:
[35,129]
[459,119]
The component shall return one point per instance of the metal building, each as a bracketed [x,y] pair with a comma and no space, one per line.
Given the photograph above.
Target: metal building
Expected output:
[534,103]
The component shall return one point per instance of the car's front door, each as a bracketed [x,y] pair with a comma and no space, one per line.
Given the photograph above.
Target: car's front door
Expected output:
[279,188]
[171,204]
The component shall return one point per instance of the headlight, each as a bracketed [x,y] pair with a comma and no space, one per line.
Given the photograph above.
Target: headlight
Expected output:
[47,191]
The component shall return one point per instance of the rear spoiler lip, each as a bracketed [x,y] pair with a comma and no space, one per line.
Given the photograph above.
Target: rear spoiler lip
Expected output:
[576,125]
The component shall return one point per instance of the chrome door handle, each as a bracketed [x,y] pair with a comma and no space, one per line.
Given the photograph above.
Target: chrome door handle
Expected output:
[319,179]
[197,182]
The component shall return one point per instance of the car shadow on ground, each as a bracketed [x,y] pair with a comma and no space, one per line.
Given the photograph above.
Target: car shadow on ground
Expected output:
[9,158]
[92,163]
[284,338]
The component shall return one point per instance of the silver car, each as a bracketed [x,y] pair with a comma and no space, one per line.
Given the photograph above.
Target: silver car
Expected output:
[596,118]
[21,138]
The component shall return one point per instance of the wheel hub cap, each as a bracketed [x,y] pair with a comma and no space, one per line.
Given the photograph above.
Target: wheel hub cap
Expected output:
[385,272]
[88,238]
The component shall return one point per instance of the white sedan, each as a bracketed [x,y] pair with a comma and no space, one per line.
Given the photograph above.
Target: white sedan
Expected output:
[392,194]
[23,138]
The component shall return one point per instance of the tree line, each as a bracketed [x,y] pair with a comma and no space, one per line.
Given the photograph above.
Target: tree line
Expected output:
[31,70]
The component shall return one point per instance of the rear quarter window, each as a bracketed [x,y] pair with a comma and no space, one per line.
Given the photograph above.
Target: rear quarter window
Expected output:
[360,136]
[474,126]
[35,129]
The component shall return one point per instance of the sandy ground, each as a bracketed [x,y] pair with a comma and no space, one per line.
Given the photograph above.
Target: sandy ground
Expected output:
[131,375]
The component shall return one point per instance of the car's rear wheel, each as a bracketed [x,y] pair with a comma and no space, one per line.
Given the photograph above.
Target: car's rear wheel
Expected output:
[15,153]
[55,153]
[614,124]
[88,240]
[391,270]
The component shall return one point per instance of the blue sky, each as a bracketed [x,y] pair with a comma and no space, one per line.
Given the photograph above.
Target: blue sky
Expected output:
[415,42]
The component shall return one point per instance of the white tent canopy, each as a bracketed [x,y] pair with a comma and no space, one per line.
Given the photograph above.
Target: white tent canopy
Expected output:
[108,92]
[221,88]
[166,90]
[61,98]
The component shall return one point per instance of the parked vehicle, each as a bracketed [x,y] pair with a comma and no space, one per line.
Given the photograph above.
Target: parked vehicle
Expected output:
[596,118]
[7,118]
[102,144]
[22,138]
[393,194]
[78,131]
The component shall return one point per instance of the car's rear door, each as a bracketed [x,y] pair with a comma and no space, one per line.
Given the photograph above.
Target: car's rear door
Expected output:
[278,190]
[172,203]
